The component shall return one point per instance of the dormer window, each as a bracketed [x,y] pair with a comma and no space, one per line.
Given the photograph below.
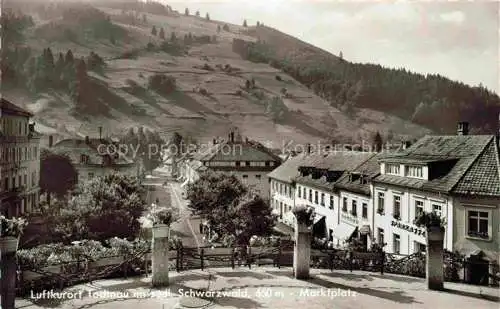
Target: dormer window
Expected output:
[414,171]
[392,169]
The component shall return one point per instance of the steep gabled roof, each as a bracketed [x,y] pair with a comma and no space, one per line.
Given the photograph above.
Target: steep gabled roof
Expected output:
[10,108]
[289,169]
[90,148]
[460,151]
[483,177]
[239,151]
[367,170]
[338,162]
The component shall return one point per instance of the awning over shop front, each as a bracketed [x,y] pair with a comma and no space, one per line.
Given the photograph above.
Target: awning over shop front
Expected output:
[364,230]
[344,231]
[319,226]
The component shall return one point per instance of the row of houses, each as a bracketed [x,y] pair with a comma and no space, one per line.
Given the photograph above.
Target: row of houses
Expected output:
[375,197]
[20,159]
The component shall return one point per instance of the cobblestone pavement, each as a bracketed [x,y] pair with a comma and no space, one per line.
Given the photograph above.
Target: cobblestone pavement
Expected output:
[267,287]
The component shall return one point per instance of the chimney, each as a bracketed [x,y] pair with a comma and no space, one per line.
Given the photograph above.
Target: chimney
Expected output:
[214,141]
[463,128]
[308,149]
[51,140]
[87,140]
[100,133]
[405,144]
[231,137]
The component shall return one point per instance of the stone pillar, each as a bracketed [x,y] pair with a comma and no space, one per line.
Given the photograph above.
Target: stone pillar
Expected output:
[434,269]
[160,263]
[302,250]
[8,248]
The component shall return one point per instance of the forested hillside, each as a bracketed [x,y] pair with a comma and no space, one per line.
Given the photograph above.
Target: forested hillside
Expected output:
[429,100]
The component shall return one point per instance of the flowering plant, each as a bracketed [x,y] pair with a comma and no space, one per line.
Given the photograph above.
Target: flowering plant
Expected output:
[304,214]
[12,227]
[429,219]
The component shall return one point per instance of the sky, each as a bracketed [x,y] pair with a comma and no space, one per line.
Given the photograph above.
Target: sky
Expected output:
[459,40]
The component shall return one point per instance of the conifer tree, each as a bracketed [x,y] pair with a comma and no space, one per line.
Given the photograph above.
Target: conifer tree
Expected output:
[207,17]
[162,34]
[245,23]
[153,31]
[186,12]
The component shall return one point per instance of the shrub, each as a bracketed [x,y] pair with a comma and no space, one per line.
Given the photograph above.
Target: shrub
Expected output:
[207,67]
[162,83]
[203,91]
[12,227]
[131,54]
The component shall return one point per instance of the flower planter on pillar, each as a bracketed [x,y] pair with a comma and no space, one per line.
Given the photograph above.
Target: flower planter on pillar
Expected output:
[160,263]
[303,236]
[435,258]
[8,248]
[302,251]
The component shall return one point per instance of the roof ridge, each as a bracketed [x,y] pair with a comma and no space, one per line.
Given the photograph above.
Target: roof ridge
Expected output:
[492,139]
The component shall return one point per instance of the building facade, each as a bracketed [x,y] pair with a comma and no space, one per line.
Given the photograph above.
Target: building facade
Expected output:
[19,161]
[456,177]
[248,160]
[314,185]
[91,159]
[356,215]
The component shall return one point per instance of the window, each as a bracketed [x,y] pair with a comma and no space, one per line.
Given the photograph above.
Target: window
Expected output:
[437,209]
[365,210]
[315,197]
[331,201]
[299,191]
[84,159]
[330,234]
[419,208]
[258,177]
[310,195]
[380,236]
[381,202]
[281,210]
[344,204]
[396,243]
[414,171]
[419,247]
[247,163]
[478,222]
[322,199]
[354,208]
[237,163]
[396,212]
[91,175]
[281,188]
[392,169]
[304,193]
